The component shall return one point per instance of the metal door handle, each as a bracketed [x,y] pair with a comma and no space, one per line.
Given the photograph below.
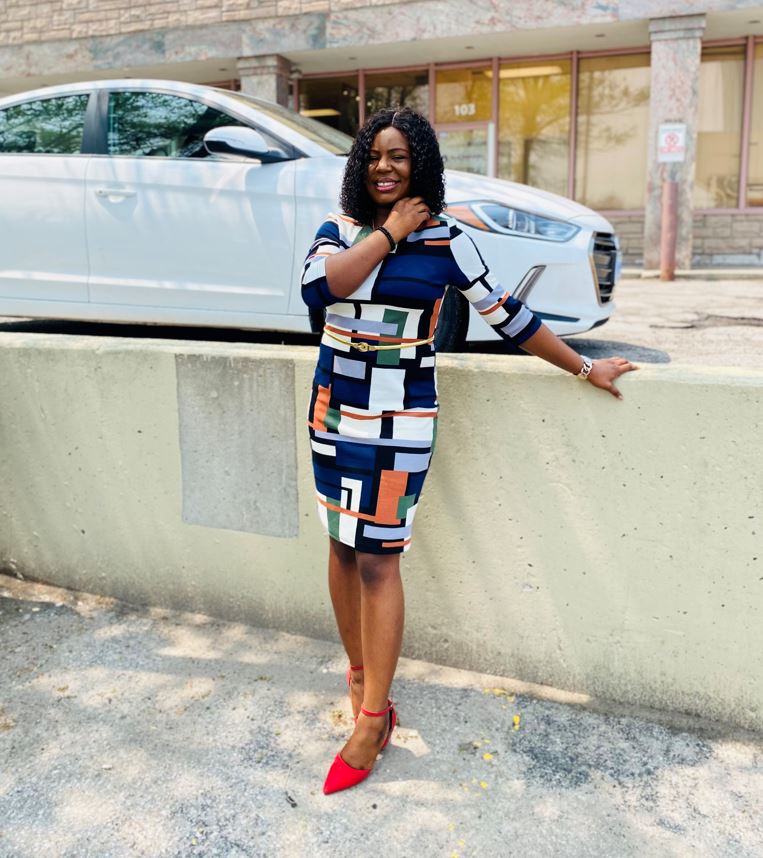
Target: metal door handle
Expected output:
[114,192]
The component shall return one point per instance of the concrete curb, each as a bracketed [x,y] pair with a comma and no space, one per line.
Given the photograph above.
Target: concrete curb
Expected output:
[752,273]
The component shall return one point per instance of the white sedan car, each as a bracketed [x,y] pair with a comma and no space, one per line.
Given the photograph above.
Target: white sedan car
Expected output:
[164,202]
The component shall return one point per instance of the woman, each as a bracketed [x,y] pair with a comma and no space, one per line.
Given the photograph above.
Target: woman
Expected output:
[380,270]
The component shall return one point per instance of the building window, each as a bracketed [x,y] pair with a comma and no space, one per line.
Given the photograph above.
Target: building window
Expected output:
[333,100]
[464,114]
[398,89]
[755,164]
[612,122]
[534,124]
[719,128]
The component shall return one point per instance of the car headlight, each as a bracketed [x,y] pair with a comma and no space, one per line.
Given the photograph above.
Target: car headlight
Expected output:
[496,217]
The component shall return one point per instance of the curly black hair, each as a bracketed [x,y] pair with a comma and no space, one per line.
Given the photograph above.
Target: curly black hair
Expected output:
[427,178]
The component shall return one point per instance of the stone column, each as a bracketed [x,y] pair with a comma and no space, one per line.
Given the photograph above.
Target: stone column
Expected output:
[265,77]
[674,97]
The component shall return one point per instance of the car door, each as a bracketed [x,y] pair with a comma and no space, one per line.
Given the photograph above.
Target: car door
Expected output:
[42,201]
[170,226]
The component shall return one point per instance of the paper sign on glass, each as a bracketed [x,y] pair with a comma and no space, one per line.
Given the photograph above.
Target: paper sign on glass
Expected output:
[671,142]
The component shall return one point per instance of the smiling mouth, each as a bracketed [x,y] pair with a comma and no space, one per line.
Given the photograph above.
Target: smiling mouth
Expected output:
[385,185]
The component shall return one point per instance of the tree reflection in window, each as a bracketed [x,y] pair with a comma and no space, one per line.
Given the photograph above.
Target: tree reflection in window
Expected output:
[534,123]
[612,125]
[398,89]
[52,126]
[157,125]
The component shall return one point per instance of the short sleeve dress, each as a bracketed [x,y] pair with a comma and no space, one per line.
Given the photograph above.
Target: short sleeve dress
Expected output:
[373,414]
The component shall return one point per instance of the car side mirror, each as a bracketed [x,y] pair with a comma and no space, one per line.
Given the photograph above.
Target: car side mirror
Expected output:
[232,142]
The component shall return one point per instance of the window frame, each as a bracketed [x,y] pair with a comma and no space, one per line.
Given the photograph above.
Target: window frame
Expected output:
[750,43]
[744,160]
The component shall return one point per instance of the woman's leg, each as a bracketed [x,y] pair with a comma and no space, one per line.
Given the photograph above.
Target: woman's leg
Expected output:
[344,587]
[382,617]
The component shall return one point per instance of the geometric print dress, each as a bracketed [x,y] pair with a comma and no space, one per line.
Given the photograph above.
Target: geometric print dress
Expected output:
[373,414]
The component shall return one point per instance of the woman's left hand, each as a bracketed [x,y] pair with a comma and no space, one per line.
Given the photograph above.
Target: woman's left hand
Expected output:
[604,372]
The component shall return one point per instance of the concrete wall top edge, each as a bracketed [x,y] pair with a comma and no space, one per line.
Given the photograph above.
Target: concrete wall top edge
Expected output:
[67,342]
[676,372]
[473,363]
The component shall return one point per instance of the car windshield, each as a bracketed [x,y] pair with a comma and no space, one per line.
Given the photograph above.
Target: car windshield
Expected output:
[335,142]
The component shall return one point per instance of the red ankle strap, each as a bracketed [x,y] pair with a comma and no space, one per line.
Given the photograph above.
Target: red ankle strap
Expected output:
[356,667]
[376,714]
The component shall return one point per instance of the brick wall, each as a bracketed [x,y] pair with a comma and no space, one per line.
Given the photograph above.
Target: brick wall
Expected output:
[630,230]
[718,240]
[734,240]
[22,22]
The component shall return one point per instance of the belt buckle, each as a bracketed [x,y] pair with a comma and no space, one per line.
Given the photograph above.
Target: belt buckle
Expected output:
[362,347]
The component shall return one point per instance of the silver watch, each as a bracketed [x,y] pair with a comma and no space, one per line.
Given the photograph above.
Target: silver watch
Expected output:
[585,369]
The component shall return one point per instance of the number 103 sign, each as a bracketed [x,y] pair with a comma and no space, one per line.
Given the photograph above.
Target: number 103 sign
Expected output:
[467,109]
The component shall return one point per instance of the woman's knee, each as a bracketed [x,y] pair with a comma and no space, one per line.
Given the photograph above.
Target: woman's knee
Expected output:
[377,569]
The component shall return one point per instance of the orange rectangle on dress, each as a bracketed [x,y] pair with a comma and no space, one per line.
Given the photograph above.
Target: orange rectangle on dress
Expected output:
[435,317]
[397,544]
[391,488]
[321,408]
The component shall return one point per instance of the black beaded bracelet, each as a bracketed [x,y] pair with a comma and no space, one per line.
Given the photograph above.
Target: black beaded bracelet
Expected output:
[392,242]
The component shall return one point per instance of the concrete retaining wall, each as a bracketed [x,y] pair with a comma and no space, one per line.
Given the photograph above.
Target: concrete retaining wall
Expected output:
[564,538]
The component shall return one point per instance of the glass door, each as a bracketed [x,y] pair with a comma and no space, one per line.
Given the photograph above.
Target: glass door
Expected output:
[467,148]
[464,118]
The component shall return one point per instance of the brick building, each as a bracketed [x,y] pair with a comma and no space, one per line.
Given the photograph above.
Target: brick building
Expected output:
[566,96]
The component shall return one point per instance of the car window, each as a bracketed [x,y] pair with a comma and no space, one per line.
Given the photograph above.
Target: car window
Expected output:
[153,124]
[51,126]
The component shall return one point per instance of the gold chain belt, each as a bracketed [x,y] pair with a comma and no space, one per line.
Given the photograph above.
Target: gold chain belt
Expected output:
[366,347]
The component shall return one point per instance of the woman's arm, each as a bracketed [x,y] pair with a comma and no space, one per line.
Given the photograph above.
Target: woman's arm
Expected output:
[345,271]
[546,345]
[515,323]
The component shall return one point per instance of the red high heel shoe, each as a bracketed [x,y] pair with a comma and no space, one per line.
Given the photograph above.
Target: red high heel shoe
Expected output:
[349,683]
[341,775]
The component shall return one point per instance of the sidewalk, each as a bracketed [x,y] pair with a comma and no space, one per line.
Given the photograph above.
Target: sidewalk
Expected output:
[749,273]
[134,732]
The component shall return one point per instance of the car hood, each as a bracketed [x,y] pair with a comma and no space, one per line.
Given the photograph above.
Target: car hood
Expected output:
[460,187]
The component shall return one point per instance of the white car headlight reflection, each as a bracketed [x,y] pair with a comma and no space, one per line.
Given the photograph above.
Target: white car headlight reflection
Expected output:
[496,217]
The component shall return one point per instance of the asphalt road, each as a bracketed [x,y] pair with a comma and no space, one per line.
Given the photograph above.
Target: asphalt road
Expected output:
[697,322]
[711,322]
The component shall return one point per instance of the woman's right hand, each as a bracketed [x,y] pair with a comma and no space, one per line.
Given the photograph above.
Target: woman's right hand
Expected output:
[346,270]
[407,215]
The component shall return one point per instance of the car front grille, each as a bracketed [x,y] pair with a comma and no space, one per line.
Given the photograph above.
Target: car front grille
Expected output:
[604,251]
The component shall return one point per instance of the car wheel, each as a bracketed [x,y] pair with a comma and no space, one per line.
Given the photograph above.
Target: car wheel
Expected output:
[453,322]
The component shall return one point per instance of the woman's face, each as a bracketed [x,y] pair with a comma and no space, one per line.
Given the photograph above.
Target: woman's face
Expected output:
[389,168]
